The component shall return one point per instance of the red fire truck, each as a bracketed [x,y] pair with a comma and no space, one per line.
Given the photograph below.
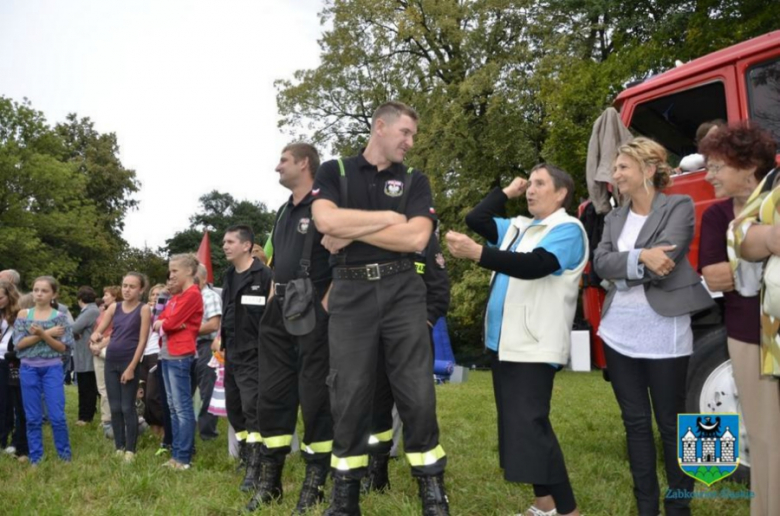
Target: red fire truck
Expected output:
[741,82]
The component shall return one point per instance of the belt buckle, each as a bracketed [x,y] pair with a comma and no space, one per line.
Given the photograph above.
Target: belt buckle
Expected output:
[372,272]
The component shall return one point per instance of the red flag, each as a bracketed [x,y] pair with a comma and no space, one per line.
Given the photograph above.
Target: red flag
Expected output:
[204,255]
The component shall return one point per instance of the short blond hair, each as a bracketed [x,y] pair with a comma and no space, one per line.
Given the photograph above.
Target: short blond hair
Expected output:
[159,286]
[189,260]
[646,153]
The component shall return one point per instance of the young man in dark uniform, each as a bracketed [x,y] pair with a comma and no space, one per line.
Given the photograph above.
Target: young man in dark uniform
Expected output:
[294,366]
[377,306]
[431,266]
[244,294]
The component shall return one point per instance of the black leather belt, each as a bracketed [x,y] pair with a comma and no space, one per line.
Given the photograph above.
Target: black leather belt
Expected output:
[279,290]
[372,271]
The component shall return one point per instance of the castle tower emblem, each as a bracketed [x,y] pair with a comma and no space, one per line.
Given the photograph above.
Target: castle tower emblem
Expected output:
[708,449]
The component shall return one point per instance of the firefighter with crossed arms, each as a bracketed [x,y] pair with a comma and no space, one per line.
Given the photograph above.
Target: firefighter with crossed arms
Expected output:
[377,306]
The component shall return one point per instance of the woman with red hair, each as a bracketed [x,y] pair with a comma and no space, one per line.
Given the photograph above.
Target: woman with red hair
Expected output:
[738,158]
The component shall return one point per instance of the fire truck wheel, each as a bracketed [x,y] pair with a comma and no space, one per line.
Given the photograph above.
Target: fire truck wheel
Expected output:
[711,388]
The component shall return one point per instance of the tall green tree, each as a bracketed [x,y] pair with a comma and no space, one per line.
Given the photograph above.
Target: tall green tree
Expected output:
[109,186]
[63,197]
[463,65]
[500,85]
[46,220]
[217,212]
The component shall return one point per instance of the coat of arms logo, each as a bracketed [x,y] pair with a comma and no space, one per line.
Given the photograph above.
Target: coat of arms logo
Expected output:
[708,445]
[394,188]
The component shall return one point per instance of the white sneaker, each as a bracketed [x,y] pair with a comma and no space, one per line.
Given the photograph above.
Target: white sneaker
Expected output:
[535,511]
[129,456]
[10,450]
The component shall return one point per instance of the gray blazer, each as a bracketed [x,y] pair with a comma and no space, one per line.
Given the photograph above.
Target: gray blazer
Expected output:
[671,222]
[83,327]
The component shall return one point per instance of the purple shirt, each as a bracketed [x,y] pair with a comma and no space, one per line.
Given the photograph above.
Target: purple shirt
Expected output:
[124,338]
[742,314]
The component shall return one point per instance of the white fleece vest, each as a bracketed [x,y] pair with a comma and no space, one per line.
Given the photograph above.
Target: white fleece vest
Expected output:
[538,314]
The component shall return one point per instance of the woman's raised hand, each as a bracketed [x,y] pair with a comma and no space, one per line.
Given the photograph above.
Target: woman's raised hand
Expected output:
[516,188]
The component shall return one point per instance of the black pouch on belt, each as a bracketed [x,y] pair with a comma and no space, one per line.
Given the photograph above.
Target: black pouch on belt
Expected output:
[298,304]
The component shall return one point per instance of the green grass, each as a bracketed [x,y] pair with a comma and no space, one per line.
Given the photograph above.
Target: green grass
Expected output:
[585,416]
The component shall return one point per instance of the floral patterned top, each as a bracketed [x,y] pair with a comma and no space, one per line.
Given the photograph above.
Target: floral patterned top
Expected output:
[41,349]
[762,207]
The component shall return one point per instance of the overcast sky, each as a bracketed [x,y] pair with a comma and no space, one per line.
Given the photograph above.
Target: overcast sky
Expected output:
[186,85]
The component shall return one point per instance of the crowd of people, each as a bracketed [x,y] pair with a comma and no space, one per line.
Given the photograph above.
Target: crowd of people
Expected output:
[334,317]
[652,292]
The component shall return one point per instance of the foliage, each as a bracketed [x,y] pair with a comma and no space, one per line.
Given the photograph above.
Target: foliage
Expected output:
[593,443]
[145,261]
[500,85]
[218,212]
[63,197]
[109,184]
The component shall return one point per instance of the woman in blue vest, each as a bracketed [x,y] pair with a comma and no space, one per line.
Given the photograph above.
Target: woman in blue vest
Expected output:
[536,264]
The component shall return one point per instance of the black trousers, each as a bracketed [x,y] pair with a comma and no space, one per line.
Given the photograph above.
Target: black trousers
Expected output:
[88,395]
[153,410]
[294,370]
[381,440]
[242,388]
[121,399]
[19,440]
[165,409]
[382,320]
[206,377]
[644,387]
[528,449]
[6,406]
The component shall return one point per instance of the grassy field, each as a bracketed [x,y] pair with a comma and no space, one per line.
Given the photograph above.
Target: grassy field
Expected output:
[585,416]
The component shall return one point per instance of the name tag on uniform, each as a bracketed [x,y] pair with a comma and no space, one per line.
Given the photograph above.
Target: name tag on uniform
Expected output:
[253,300]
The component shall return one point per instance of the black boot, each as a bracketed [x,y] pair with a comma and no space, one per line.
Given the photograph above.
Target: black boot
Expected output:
[377,478]
[433,497]
[269,484]
[252,466]
[345,497]
[241,456]
[313,490]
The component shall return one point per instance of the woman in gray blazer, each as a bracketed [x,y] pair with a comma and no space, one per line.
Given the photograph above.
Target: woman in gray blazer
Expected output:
[646,324]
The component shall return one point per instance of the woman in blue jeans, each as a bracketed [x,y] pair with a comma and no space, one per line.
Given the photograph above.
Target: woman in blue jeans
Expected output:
[131,323]
[179,324]
[41,337]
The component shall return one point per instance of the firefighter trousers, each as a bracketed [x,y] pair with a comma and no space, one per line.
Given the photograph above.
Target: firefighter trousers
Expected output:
[383,430]
[381,320]
[242,387]
[294,369]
